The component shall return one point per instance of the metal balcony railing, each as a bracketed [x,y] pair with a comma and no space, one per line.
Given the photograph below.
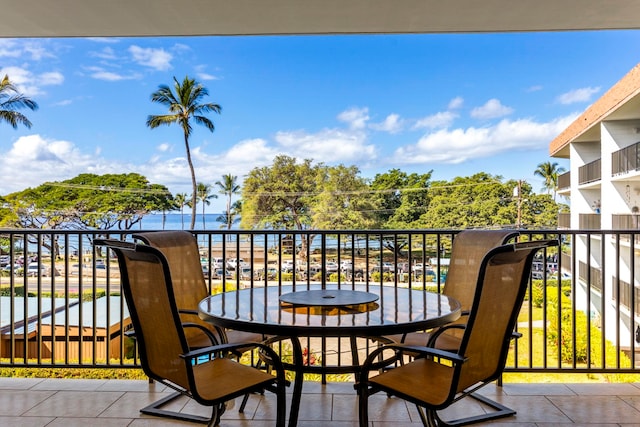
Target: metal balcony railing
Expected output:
[590,172]
[60,302]
[625,160]
[564,181]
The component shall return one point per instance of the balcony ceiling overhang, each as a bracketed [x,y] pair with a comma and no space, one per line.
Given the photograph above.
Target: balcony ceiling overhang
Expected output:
[120,18]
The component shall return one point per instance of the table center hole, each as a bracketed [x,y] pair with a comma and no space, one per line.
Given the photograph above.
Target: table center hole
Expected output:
[328,296]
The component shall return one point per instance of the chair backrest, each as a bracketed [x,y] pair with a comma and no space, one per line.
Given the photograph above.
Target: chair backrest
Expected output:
[180,249]
[502,284]
[468,250]
[147,288]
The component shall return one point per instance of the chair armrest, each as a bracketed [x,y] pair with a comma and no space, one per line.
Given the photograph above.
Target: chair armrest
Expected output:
[207,332]
[367,366]
[274,359]
[434,335]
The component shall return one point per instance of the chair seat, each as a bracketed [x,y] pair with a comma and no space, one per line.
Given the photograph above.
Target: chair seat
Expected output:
[409,382]
[228,378]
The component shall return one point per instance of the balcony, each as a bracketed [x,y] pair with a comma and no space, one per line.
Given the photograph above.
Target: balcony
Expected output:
[564,182]
[73,317]
[589,173]
[625,160]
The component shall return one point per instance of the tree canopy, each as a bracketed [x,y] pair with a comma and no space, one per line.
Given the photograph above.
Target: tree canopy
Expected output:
[87,201]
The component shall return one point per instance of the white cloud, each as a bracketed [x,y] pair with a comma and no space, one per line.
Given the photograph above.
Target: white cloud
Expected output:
[9,49]
[100,73]
[46,160]
[328,145]
[158,59]
[534,88]
[355,117]
[392,124]
[459,145]
[443,119]
[31,84]
[107,53]
[34,50]
[164,147]
[491,110]
[578,95]
[456,103]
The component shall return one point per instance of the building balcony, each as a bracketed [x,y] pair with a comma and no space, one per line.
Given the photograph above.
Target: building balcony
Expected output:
[72,317]
[590,172]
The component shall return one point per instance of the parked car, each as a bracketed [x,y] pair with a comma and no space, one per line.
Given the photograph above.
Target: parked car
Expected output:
[34,270]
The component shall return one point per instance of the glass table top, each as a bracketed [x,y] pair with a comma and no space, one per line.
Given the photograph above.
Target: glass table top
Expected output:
[387,310]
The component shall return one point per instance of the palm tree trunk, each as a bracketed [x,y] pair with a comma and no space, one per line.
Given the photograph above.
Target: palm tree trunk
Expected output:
[193,183]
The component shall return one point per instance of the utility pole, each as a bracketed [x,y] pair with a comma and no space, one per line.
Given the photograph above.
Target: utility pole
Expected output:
[518,194]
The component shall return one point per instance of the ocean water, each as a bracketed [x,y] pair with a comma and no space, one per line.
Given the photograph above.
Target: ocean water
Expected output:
[176,221]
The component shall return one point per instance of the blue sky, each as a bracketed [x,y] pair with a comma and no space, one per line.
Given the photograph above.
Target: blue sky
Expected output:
[456,104]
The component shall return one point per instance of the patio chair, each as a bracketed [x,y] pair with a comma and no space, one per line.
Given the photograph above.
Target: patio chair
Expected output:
[180,248]
[437,378]
[206,374]
[468,249]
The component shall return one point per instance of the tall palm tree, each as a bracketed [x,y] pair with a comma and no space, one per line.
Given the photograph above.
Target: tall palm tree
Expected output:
[184,106]
[549,172]
[12,100]
[181,201]
[228,186]
[204,195]
[231,217]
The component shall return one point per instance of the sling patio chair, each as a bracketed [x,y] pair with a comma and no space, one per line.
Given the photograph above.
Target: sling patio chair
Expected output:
[180,248]
[435,379]
[207,374]
[468,249]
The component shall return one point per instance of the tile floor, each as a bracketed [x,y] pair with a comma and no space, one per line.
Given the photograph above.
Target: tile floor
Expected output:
[31,402]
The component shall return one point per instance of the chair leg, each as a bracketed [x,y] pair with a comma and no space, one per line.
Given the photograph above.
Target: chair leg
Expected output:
[156,410]
[501,411]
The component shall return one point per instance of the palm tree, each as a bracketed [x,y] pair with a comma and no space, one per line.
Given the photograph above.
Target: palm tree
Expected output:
[204,195]
[230,217]
[10,101]
[181,201]
[228,186]
[549,172]
[184,106]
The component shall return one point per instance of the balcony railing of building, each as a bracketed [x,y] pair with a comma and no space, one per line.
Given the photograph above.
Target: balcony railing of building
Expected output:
[589,221]
[564,220]
[564,181]
[60,302]
[590,172]
[625,160]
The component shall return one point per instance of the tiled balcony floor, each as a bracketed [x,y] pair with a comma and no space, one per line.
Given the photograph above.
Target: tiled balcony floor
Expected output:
[31,402]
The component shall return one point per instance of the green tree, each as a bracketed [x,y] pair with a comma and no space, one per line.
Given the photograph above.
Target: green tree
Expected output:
[204,196]
[342,202]
[484,200]
[11,101]
[549,172]
[400,198]
[281,196]
[183,102]
[228,186]
[181,201]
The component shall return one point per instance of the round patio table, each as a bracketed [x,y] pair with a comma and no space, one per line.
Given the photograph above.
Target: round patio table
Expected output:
[327,311]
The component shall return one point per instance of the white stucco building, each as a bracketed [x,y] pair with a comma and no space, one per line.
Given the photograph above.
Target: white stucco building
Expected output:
[603,185]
